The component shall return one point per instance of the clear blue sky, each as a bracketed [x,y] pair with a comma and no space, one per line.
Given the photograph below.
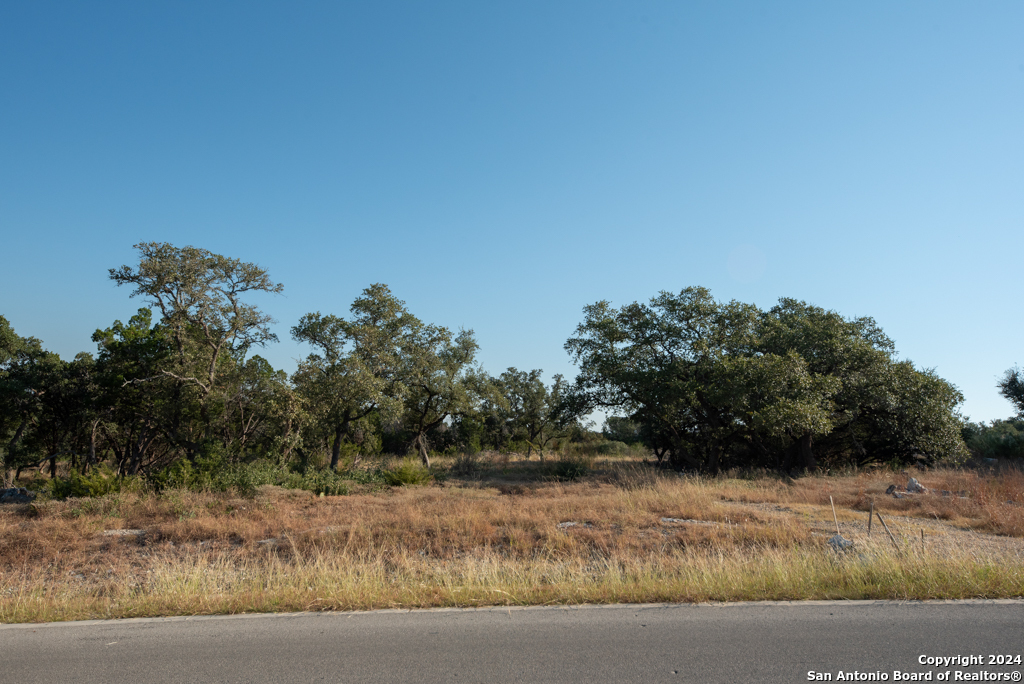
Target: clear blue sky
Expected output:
[501,165]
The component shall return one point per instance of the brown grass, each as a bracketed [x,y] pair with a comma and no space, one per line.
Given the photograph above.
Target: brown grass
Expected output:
[474,542]
[985,502]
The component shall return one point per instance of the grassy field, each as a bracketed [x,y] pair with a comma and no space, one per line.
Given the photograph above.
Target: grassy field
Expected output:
[504,531]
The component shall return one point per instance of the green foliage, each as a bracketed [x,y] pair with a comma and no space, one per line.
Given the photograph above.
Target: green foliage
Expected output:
[520,413]
[1000,439]
[611,448]
[327,482]
[354,371]
[407,472]
[1011,386]
[570,467]
[209,328]
[719,385]
[99,482]
[619,429]
[246,478]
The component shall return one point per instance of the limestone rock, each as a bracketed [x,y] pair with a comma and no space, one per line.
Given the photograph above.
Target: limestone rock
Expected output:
[16,495]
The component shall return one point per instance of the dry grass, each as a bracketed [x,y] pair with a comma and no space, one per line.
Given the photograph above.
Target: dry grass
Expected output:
[477,541]
[985,502]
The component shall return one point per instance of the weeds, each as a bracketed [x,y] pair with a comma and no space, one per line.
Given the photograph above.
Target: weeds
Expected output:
[640,534]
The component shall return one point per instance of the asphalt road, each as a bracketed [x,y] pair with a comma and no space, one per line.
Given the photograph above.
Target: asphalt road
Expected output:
[756,642]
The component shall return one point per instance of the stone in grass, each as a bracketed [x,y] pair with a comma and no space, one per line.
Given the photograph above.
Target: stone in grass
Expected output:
[570,523]
[690,521]
[839,543]
[916,487]
[123,533]
[16,495]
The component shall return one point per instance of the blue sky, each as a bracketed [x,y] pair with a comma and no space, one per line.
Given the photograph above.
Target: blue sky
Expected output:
[502,165]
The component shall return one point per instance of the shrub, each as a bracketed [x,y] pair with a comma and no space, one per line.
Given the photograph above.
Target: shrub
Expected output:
[1000,439]
[611,448]
[407,472]
[102,480]
[465,465]
[570,467]
[326,482]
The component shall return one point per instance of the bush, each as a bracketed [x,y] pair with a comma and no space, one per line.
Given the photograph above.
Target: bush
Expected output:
[612,448]
[570,467]
[327,482]
[102,480]
[247,478]
[406,473]
[1000,439]
[465,465]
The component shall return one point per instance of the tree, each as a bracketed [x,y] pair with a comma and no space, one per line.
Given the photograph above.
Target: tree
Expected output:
[1000,439]
[134,412]
[620,429]
[774,400]
[263,413]
[855,353]
[712,384]
[26,372]
[526,409]
[1011,386]
[658,363]
[199,295]
[66,393]
[441,379]
[357,369]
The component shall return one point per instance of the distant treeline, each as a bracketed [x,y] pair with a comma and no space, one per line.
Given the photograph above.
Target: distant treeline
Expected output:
[704,385]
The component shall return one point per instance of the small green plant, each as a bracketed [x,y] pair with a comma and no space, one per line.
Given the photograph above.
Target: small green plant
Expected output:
[407,472]
[327,482]
[100,481]
[570,467]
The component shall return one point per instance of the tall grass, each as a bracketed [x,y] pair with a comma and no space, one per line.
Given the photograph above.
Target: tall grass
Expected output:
[621,532]
[389,578]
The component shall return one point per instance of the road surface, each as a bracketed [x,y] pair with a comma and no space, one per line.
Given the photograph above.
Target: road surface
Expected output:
[754,642]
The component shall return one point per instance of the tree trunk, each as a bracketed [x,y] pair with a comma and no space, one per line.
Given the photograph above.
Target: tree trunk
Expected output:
[339,431]
[805,455]
[421,443]
[18,435]
[92,448]
[861,451]
[714,458]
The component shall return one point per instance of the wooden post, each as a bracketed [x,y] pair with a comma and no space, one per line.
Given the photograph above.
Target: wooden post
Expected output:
[834,515]
[887,530]
[871,514]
